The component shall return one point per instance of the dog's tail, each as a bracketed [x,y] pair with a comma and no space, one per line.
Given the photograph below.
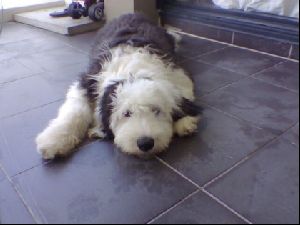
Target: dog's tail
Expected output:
[176,36]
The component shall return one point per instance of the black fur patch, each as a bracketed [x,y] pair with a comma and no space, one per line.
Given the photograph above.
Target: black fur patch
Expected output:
[187,108]
[106,108]
[90,85]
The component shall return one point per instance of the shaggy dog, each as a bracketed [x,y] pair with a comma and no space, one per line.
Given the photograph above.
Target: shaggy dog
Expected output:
[133,93]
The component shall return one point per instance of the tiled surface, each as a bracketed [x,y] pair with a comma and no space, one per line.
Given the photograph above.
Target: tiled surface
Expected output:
[200,29]
[240,60]
[198,47]
[18,151]
[220,143]
[195,211]
[274,171]
[262,44]
[31,92]
[209,78]
[263,104]
[105,186]
[245,152]
[12,209]
[295,52]
[285,75]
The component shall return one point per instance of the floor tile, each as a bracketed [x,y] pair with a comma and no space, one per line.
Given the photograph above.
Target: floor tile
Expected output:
[12,209]
[241,61]
[101,185]
[220,143]
[199,29]
[285,75]
[63,77]
[266,188]
[82,42]
[199,209]
[265,105]
[17,146]
[2,176]
[191,47]
[12,69]
[292,135]
[295,52]
[55,59]
[13,32]
[5,55]
[208,78]
[26,94]
[32,46]
[262,44]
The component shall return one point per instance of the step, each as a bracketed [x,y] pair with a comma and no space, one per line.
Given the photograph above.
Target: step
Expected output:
[64,25]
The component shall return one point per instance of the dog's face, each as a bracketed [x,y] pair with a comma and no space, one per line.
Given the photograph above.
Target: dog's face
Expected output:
[141,118]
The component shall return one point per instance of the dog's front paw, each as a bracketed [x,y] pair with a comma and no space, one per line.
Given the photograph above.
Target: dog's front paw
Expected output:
[47,149]
[186,126]
[50,146]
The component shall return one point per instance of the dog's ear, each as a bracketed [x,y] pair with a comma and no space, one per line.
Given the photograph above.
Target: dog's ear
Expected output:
[106,107]
[186,108]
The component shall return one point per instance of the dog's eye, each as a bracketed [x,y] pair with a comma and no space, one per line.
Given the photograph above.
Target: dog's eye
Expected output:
[127,114]
[156,111]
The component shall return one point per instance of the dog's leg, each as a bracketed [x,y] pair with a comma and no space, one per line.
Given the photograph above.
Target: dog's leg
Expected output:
[186,126]
[65,132]
[96,131]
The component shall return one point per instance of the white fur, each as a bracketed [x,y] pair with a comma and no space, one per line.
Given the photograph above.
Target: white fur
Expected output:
[150,84]
[65,132]
[186,126]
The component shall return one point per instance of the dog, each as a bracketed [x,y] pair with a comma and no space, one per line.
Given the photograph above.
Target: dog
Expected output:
[133,93]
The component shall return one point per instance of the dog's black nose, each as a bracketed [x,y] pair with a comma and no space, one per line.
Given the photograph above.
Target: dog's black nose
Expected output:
[145,144]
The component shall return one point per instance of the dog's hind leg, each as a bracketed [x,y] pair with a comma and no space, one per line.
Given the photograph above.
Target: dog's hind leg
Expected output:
[70,127]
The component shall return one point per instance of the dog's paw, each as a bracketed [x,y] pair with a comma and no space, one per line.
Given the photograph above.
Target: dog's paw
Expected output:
[50,146]
[96,133]
[186,126]
[45,148]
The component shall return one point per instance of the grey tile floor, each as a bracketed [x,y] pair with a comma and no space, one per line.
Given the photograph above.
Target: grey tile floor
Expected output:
[241,167]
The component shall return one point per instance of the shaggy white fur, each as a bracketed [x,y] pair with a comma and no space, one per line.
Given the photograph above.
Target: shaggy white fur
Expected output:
[142,105]
[65,132]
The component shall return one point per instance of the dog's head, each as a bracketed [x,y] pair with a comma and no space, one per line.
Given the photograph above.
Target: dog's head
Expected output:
[138,115]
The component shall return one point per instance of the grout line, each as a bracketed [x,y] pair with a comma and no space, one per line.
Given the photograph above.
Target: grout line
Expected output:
[36,220]
[208,53]
[233,116]
[230,169]
[227,207]
[276,85]
[177,172]
[249,156]
[173,207]
[19,79]
[291,51]
[31,109]
[242,78]
[236,46]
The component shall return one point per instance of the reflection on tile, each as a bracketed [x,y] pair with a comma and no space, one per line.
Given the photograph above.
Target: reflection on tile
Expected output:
[17,146]
[199,209]
[266,188]
[12,209]
[240,60]
[265,105]
[101,185]
[220,143]
[285,75]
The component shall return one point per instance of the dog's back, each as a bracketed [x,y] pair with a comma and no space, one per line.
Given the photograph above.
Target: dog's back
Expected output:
[131,29]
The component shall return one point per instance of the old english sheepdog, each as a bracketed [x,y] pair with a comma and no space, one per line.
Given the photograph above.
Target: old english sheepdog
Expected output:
[133,93]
